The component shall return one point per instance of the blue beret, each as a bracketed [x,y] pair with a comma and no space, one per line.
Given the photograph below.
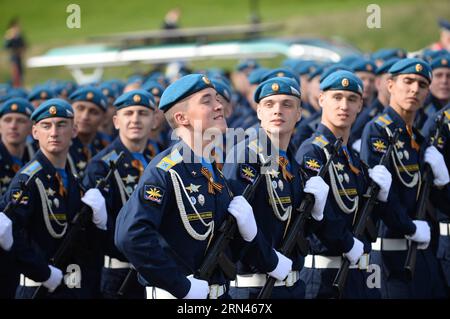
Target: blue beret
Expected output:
[255,76]
[350,59]
[116,84]
[316,72]
[386,54]
[444,24]
[52,108]
[109,90]
[222,88]
[429,55]
[305,67]
[441,62]
[333,68]
[342,80]
[17,105]
[277,86]
[18,92]
[182,88]
[40,92]
[135,98]
[384,68]
[64,89]
[411,66]
[154,87]
[90,94]
[280,72]
[363,65]
[4,88]
[247,64]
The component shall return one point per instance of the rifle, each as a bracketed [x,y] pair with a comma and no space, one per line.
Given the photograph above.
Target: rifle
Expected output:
[427,181]
[79,224]
[361,224]
[295,235]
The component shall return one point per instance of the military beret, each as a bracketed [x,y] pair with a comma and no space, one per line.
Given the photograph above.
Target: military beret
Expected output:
[109,90]
[4,88]
[18,92]
[386,54]
[316,72]
[342,80]
[41,93]
[245,64]
[305,67]
[350,59]
[444,24]
[222,88]
[441,62]
[277,86]
[279,72]
[255,76]
[52,108]
[90,94]
[135,98]
[411,66]
[116,84]
[154,87]
[16,105]
[333,68]
[182,88]
[65,88]
[363,65]
[384,68]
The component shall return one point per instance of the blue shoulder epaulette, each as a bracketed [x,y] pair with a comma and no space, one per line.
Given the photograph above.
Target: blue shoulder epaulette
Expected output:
[111,156]
[320,140]
[383,120]
[170,160]
[32,168]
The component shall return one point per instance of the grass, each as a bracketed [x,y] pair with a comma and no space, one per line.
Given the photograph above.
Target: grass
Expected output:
[408,24]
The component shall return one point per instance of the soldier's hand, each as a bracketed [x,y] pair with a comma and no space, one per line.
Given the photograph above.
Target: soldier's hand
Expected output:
[54,280]
[317,187]
[356,252]
[380,175]
[436,160]
[199,289]
[422,235]
[96,201]
[6,238]
[284,266]
[243,212]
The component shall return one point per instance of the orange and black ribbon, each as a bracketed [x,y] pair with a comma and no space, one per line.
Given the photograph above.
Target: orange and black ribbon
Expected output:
[414,144]
[212,185]
[15,167]
[87,152]
[354,169]
[138,165]
[283,162]
[62,190]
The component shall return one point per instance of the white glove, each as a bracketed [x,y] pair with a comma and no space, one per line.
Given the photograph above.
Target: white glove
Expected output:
[356,252]
[380,175]
[96,201]
[243,212]
[284,266]
[6,238]
[436,160]
[54,280]
[422,234]
[317,186]
[357,146]
[199,289]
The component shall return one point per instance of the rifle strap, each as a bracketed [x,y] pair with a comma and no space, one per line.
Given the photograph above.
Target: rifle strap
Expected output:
[47,212]
[176,180]
[122,190]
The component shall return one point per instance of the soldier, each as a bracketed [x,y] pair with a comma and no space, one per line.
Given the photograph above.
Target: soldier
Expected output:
[133,120]
[166,226]
[443,213]
[278,107]
[42,218]
[408,88]
[439,95]
[15,126]
[40,94]
[89,104]
[341,100]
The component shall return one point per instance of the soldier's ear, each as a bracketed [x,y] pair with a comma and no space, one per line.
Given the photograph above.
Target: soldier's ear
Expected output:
[74,130]
[321,99]
[180,118]
[34,132]
[390,85]
[115,121]
[258,110]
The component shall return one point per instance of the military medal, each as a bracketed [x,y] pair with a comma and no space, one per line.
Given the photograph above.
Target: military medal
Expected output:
[193,200]
[280,184]
[346,177]
[201,199]
[406,153]
[274,185]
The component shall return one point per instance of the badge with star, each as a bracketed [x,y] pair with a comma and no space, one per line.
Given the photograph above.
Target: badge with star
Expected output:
[339,166]
[379,145]
[153,193]
[247,173]
[312,163]
[129,179]
[16,194]
[193,188]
